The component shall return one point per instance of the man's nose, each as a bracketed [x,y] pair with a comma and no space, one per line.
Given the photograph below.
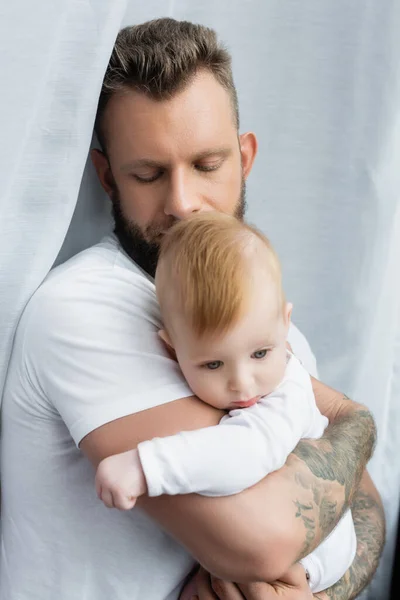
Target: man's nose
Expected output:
[183,198]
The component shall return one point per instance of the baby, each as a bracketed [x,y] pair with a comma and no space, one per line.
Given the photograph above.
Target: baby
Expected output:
[225,316]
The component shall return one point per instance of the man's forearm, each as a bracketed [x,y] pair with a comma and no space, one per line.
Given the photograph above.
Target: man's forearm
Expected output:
[335,464]
[351,436]
[369,522]
[370,528]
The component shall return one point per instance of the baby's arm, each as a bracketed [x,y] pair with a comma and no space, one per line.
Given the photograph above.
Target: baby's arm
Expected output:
[227,458]
[331,559]
[234,455]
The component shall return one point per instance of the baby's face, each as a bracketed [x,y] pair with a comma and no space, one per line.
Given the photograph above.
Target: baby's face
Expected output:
[235,369]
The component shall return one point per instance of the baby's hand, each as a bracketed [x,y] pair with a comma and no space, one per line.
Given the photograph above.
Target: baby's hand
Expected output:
[120,480]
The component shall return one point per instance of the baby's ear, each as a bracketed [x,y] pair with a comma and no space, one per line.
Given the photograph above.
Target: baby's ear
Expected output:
[288,312]
[167,343]
[165,337]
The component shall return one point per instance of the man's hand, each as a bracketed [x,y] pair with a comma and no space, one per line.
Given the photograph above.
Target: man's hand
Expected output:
[292,586]
[120,480]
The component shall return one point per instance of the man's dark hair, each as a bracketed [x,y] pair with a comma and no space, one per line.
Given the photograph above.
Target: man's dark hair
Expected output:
[160,58]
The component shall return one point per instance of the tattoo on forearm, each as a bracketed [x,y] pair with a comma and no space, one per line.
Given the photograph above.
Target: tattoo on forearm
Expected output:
[309,524]
[327,513]
[369,523]
[317,512]
[340,458]
[346,441]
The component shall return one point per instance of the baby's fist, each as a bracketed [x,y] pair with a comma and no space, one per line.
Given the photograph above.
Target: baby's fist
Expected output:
[120,480]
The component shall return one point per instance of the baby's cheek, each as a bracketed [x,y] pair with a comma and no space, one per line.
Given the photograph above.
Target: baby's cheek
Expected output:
[280,367]
[195,379]
[205,387]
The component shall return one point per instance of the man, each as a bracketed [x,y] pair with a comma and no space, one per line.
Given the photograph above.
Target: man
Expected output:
[88,377]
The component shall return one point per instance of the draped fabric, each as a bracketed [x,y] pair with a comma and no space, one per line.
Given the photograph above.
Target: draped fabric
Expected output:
[53,56]
[319,83]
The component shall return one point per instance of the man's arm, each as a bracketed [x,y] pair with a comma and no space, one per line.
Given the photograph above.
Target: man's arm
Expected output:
[369,522]
[259,533]
[333,460]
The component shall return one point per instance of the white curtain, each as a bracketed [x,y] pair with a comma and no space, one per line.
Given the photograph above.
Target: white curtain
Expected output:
[319,82]
[52,55]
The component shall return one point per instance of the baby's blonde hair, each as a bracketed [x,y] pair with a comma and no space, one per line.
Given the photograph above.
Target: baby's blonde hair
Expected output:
[204,268]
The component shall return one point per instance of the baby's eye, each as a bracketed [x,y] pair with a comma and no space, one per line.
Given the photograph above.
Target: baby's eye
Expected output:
[215,364]
[260,353]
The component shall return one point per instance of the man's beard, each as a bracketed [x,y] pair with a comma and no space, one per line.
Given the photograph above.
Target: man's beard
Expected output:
[144,247]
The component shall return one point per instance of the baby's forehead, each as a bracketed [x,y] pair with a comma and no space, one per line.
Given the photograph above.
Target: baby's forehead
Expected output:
[215,294]
[258,317]
[259,287]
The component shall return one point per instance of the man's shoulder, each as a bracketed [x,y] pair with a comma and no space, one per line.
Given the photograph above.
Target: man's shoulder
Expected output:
[97,285]
[101,267]
[104,258]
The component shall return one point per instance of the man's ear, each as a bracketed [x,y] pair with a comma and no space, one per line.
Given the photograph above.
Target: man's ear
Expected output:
[103,170]
[248,151]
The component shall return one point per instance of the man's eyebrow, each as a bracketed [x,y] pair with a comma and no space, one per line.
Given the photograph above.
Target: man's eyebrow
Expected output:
[141,162]
[220,152]
[153,164]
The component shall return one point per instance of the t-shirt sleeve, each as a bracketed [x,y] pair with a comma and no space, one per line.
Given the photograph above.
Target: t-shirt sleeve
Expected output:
[92,348]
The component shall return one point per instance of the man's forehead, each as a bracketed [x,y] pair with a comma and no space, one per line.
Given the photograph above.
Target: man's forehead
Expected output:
[201,113]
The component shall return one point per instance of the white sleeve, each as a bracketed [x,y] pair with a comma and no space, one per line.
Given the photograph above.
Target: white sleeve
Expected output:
[331,559]
[92,350]
[241,450]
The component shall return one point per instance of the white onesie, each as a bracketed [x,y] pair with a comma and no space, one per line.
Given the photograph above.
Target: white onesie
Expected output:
[242,449]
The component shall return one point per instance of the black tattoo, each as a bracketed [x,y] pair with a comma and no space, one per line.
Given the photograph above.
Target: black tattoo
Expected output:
[340,457]
[336,463]
[309,524]
[318,512]
[327,514]
[369,523]
[348,445]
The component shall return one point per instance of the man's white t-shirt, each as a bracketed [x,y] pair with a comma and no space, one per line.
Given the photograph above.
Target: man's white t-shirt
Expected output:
[86,353]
